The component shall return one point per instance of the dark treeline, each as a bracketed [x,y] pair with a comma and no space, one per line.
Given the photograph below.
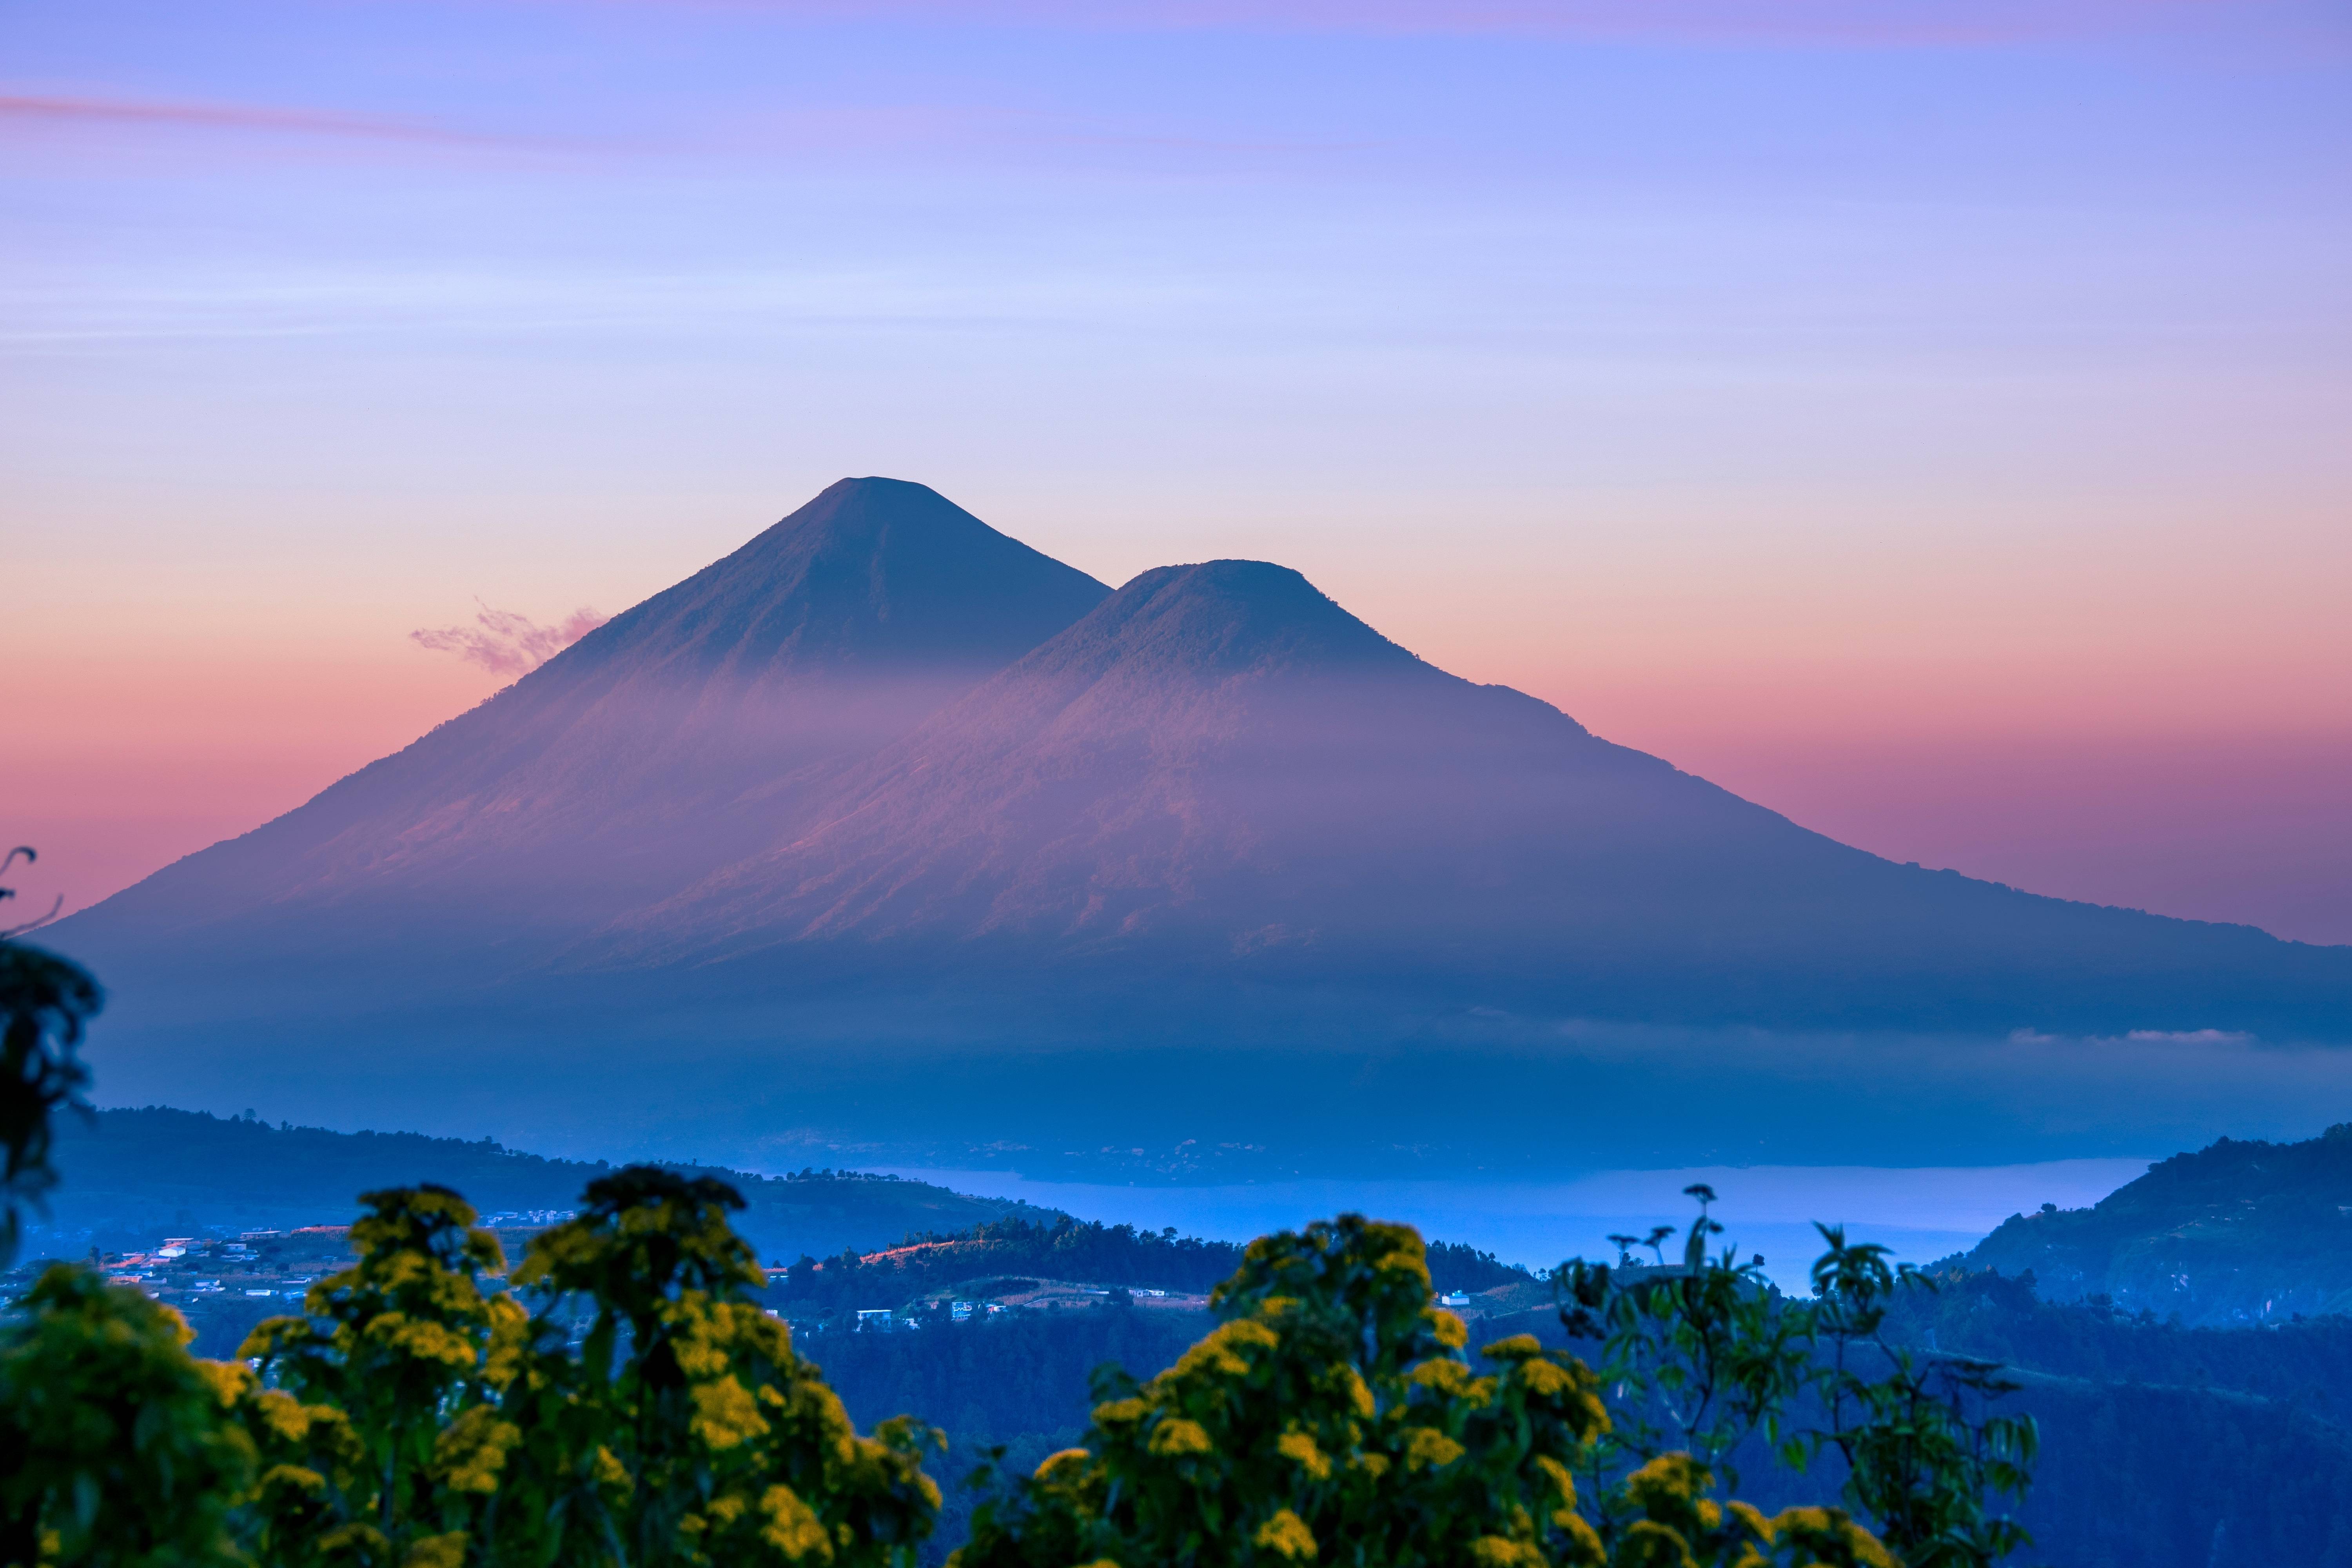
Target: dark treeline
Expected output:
[996,1381]
[1458,1266]
[2137,1475]
[1001,1250]
[1019,1383]
[2161,1446]
[1014,1254]
[2308,1365]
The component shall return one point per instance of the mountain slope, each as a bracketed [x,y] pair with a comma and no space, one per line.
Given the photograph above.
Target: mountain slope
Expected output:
[658,745]
[1219,757]
[1219,774]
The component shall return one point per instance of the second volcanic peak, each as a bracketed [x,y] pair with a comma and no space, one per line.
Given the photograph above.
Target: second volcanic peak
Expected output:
[1224,613]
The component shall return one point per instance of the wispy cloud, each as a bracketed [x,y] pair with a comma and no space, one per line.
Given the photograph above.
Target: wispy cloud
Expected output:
[22,109]
[505,643]
[2193,1037]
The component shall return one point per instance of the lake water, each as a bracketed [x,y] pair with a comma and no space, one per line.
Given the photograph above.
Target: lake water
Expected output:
[1922,1213]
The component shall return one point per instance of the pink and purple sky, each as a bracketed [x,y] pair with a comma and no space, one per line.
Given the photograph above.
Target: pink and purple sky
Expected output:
[1926,419]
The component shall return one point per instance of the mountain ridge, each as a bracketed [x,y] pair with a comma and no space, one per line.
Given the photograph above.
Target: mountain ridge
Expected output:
[822,636]
[784,829]
[1220,765]
[2244,1231]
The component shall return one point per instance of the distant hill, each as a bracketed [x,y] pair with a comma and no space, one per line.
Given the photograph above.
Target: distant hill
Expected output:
[137,1174]
[1061,1249]
[888,828]
[2236,1233]
[2162,1445]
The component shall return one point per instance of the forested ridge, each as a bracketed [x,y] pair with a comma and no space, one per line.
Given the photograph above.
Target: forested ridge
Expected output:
[132,1175]
[1016,1254]
[2242,1231]
[2224,1445]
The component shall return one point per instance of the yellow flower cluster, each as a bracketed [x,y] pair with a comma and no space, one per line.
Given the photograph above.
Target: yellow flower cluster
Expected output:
[1300,1447]
[1828,1535]
[472,1449]
[1176,1437]
[1334,1411]
[725,1414]
[1287,1536]
[446,1550]
[1500,1552]
[1425,1448]
[793,1528]
[1335,1404]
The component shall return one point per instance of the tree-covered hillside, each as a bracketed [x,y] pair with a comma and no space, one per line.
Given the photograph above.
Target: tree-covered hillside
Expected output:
[2161,1445]
[1017,1252]
[131,1176]
[2234,1234]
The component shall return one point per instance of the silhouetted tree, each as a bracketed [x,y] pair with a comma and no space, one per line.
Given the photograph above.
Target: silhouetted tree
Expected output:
[45,1002]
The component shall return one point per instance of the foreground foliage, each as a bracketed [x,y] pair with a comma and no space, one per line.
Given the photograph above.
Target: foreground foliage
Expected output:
[1336,1417]
[410,1417]
[624,1400]
[45,1002]
[1712,1364]
[115,1444]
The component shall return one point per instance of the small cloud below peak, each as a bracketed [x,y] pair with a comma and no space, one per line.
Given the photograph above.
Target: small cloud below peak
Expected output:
[506,643]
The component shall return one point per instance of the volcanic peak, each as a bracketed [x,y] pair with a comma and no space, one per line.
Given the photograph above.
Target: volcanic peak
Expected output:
[669,740]
[871,572]
[1217,619]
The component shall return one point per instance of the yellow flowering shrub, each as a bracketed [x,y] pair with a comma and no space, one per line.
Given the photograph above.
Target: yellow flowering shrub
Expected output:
[1332,1417]
[410,1419]
[370,1407]
[115,1444]
[629,1404]
[1335,1417]
[686,1429]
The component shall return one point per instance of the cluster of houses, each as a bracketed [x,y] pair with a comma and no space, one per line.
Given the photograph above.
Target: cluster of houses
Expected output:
[874,1319]
[257,1264]
[1036,1297]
